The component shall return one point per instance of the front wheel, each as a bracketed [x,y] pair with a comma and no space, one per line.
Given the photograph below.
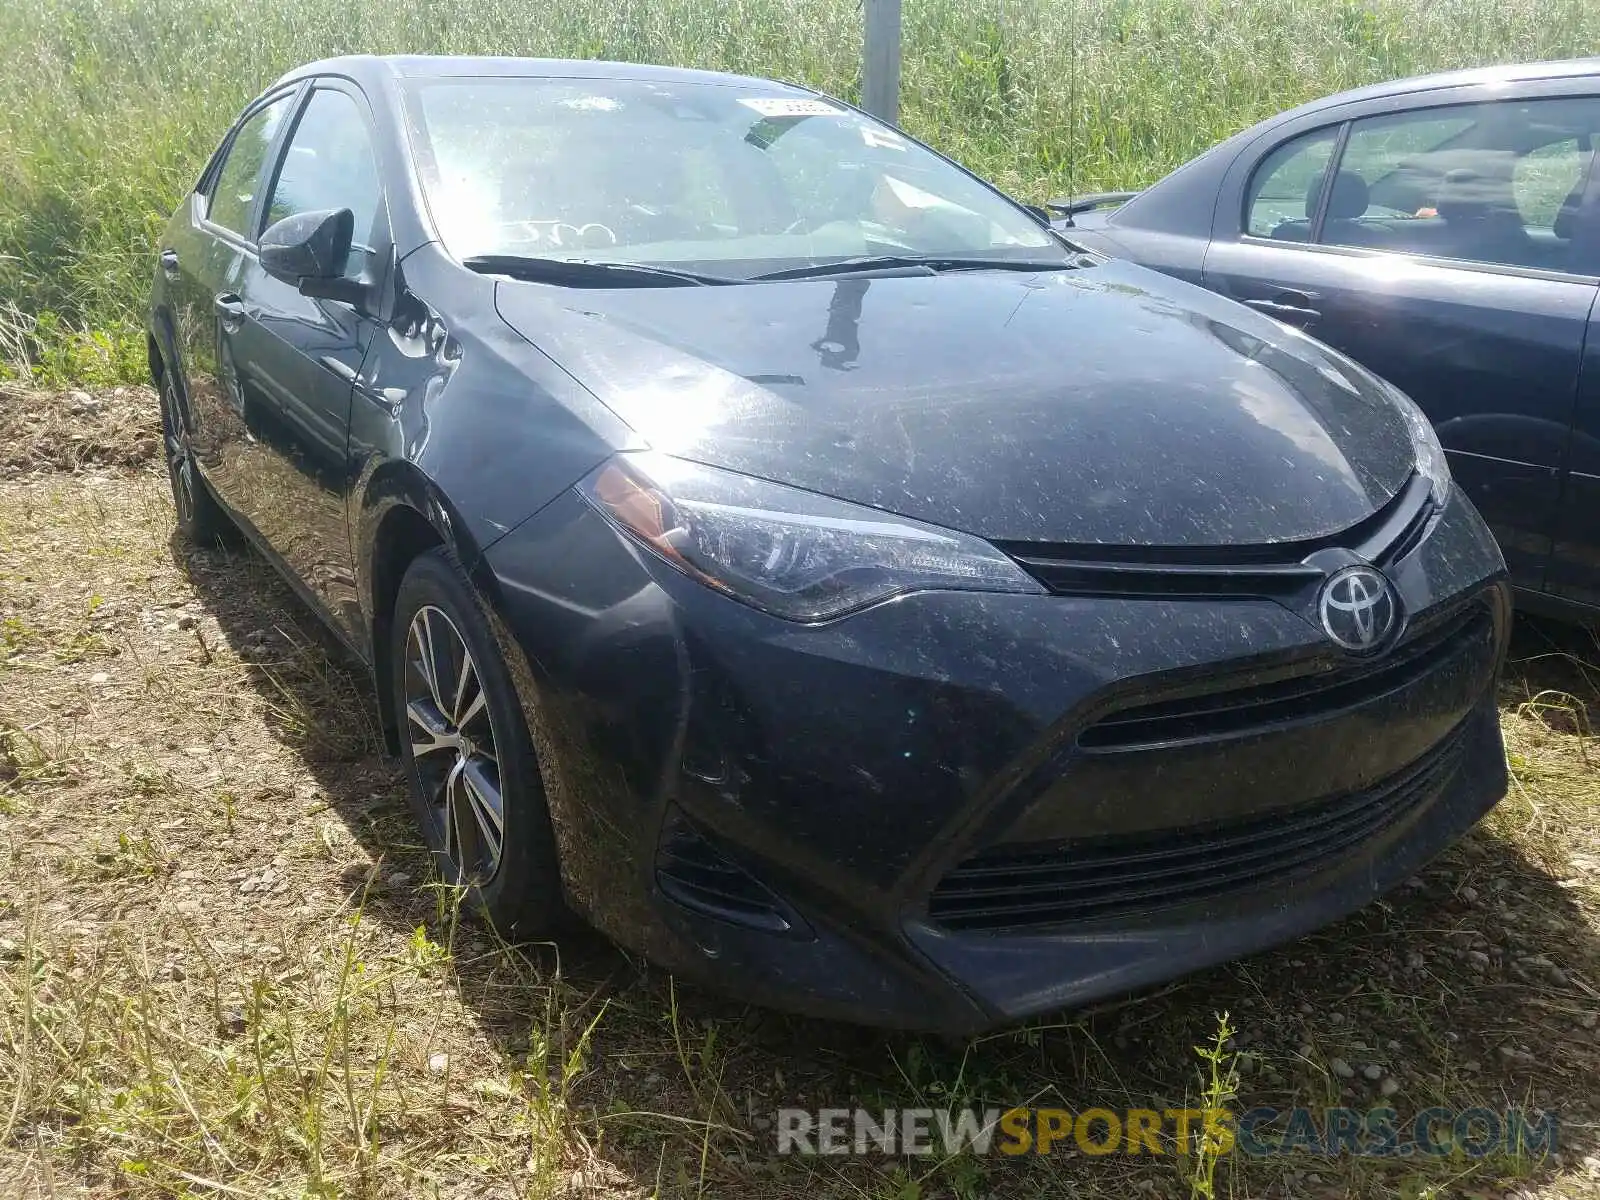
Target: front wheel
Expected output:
[200,518]
[474,778]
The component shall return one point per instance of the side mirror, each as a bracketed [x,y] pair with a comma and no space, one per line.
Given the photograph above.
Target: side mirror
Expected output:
[310,250]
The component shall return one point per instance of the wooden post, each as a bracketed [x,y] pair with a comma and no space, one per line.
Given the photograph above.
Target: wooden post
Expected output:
[880,59]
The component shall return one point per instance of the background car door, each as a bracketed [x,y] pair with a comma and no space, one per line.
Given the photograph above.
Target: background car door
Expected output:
[1575,560]
[204,260]
[1443,257]
[298,356]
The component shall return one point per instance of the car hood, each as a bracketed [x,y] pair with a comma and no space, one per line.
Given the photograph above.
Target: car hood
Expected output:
[1107,404]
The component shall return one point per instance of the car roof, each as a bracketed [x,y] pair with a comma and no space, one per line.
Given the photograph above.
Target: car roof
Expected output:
[1471,77]
[363,67]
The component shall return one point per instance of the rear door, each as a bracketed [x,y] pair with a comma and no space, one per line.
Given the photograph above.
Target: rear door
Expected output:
[1442,257]
[298,356]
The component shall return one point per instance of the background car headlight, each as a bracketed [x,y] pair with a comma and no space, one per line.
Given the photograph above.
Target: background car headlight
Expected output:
[792,553]
[1425,443]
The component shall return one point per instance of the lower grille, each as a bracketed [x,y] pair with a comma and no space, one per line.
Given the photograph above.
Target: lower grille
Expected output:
[1011,887]
[701,877]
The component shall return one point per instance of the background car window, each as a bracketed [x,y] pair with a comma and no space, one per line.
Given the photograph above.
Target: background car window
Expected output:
[1501,182]
[330,164]
[1282,196]
[235,190]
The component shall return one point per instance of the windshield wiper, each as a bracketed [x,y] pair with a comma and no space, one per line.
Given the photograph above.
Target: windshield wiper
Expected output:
[932,263]
[584,272]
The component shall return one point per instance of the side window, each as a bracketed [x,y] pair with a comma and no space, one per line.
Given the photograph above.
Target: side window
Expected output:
[1500,182]
[329,163]
[1284,189]
[235,191]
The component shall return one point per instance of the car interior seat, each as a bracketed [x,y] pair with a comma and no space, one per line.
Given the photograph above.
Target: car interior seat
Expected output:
[1481,218]
[1348,201]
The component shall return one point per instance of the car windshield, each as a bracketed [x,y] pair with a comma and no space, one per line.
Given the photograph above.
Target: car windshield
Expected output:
[733,180]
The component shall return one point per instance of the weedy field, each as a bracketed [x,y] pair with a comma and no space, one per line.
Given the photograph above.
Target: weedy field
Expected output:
[225,969]
[109,108]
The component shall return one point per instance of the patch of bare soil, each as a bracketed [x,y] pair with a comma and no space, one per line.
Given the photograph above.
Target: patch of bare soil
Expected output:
[68,431]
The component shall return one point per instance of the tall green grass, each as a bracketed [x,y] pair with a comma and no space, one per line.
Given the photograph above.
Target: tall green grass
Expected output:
[108,108]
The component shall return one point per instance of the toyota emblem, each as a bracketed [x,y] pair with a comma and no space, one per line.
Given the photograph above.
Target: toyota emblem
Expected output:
[1358,608]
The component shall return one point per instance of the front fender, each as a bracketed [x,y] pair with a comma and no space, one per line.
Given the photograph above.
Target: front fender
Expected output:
[460,430]
[486,417]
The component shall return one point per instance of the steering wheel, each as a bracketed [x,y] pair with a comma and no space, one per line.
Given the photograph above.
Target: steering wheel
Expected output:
[561,235]
[590,233]
[648,224]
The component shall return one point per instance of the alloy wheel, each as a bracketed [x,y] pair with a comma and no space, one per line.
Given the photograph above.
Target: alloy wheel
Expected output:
[452,745]
[180,457]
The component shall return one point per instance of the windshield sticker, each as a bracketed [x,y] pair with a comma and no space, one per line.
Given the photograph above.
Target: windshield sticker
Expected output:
[882,137]
[785,106]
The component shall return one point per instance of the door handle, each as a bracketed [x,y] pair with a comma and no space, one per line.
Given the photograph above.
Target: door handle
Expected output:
[169,263]
[1292,308]
[231,311]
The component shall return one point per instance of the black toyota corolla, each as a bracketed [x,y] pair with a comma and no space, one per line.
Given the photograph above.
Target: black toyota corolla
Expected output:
[777,545]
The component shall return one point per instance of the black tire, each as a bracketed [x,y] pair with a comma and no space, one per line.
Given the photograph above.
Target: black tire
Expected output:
[200,519]
[520,891]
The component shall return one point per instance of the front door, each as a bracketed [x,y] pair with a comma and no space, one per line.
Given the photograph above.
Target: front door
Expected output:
[299,357]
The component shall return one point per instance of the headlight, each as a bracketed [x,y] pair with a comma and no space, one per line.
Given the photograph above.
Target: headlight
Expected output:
[1431,462]
[792,553]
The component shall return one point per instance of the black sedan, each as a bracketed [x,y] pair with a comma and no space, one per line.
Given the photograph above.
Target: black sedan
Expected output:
[774,543]
[1456,254]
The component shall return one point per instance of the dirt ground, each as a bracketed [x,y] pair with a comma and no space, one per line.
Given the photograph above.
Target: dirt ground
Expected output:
[224,967]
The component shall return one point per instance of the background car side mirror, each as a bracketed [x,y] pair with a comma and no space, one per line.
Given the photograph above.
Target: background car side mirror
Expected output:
[310,250]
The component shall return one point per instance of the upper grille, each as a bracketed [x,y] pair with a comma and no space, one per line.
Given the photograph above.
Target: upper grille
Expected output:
[1076,880]
[1338,684]
[1266,570]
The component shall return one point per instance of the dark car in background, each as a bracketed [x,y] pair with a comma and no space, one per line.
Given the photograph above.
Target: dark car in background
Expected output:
[1445,233]
[772,542]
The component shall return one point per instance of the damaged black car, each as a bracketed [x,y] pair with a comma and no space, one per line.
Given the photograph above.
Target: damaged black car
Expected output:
[775,544]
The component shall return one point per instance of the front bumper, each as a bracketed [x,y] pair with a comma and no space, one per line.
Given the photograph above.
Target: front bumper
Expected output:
[785,812]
